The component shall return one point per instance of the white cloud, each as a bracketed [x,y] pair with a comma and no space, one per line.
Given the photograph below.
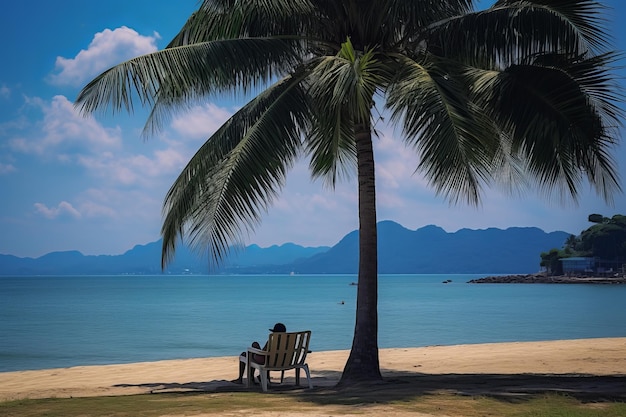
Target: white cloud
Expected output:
[63,127]
[108,48]
[63,123]
[65,136]
[63,209]
[396,163]
[91,209]
[151,169]
[135,207]
[104,203]
[134,169]
[201,121]
[5,92]
[169,161]
[6,168]
[110,168]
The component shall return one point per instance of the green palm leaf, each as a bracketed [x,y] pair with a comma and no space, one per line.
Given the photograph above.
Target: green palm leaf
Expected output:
[174,79]
[457,145]
[231,19]
[554,125]
[519,29]
[235,175]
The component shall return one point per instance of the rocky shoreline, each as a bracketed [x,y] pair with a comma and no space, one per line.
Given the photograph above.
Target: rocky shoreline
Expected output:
[546,279]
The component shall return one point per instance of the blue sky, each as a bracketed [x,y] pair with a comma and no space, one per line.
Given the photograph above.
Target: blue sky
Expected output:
[94,185]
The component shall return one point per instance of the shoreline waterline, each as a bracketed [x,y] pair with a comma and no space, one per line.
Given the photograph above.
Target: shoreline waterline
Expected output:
[595,356]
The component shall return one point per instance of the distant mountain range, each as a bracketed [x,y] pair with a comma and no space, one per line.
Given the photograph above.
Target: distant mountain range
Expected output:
[428,250]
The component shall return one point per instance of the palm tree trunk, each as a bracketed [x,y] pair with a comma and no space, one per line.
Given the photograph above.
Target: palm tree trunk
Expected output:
[363,363]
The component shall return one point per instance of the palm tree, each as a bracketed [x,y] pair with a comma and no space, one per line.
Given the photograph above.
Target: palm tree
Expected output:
[519,93]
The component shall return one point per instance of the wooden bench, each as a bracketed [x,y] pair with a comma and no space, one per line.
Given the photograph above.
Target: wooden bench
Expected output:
[284,351]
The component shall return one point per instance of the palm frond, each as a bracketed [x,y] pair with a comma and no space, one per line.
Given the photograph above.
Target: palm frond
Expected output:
[559,119]
[235,175]
[342,89]
[232,19]
[586,17]
[178,77]
[514,29]
[410,17]
[458,146]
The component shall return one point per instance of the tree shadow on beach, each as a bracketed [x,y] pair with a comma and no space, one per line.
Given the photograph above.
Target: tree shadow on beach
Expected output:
[398,386]
[511,388]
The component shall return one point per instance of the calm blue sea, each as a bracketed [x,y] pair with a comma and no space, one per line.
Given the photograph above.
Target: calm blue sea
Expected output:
[51,322]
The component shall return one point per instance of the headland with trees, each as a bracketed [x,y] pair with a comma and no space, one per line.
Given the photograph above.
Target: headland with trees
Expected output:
[596,256]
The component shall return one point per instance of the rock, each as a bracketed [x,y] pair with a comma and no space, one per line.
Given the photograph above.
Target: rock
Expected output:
[547,279]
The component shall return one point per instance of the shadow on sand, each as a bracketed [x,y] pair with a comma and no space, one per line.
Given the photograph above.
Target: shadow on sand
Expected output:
[397,386]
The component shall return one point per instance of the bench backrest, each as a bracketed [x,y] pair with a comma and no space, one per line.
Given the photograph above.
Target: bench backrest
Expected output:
[287,349]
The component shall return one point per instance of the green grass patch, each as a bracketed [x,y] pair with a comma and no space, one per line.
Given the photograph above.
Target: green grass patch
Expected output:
[551,405]
[243,403]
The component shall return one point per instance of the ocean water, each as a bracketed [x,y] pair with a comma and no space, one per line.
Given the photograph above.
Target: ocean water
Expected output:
[51,322]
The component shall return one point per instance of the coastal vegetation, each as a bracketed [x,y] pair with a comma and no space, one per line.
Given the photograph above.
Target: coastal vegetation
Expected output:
[605,240]
[520,93]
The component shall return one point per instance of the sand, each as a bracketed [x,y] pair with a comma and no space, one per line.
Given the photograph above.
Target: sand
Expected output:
[469,368]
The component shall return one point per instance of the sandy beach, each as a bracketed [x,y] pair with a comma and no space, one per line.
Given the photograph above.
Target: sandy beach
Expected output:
[603,357]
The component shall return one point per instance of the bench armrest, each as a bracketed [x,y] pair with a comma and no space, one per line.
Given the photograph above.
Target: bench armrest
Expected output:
[258,351]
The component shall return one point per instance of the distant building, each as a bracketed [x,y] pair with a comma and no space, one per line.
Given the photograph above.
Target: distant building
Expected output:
[610,268]
[578,265]
[588,265]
